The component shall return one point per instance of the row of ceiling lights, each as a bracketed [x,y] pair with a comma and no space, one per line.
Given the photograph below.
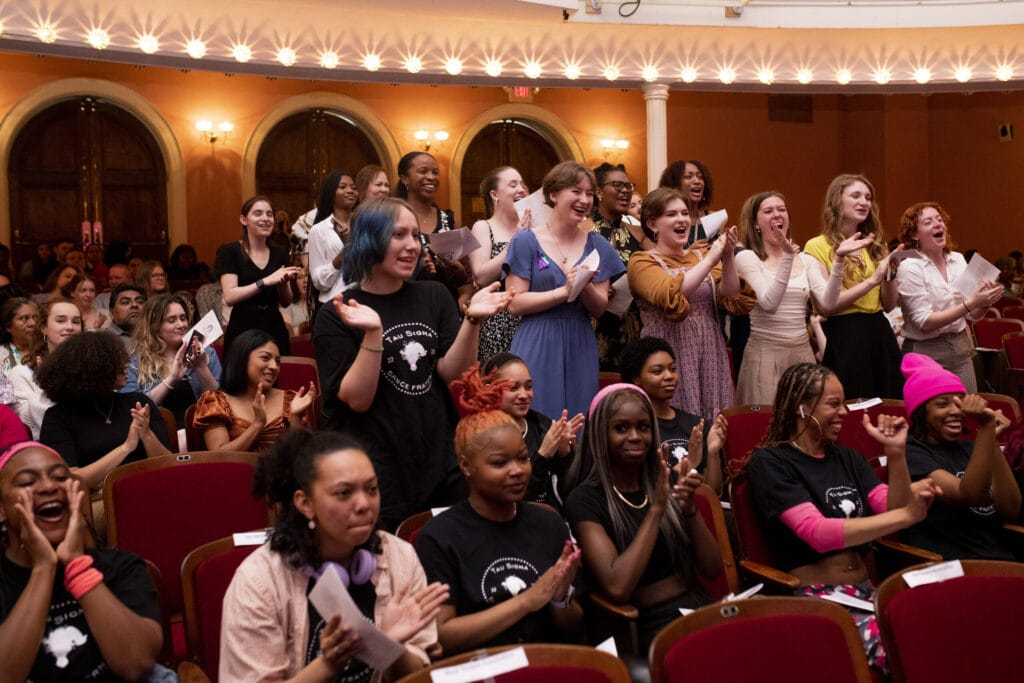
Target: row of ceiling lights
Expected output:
[148,43]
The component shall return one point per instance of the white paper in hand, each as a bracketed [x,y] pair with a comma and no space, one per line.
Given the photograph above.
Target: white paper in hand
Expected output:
[978,270]
[539,211]
[453,244]
[619,297]
[209,327]
[330,597]
[584,274]
[714,222]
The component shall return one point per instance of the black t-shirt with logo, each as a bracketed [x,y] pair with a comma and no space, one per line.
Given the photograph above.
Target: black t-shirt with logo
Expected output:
[68,651]
[676,433]
[781,477]
[408,429]
[485,562]
[953,531]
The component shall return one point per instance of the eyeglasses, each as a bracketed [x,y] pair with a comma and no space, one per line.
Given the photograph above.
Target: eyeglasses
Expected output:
[621,186]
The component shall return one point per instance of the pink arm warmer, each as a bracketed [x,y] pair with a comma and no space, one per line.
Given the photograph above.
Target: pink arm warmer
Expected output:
[878,499]
[822,533]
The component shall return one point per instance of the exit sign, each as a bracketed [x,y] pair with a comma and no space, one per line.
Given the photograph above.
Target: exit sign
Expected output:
[520,93]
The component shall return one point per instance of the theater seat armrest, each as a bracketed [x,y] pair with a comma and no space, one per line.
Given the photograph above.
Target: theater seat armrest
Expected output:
[627,612]
[773,578]
[190,672]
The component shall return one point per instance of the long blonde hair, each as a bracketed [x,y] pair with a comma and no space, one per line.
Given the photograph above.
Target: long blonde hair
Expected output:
[149,347]
[832,217]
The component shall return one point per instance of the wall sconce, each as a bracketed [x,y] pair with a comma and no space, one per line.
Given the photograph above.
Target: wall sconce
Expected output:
[608,146]
[423,138]
[210,133]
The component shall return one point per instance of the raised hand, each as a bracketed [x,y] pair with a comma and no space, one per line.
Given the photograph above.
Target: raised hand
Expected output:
[406,614]
[355,314]
[73,544]
[524,222]
[39,550]
[100,319]
[973,405]
[554,583]
[686,487]
[556,438]
[282,274]
[891,431]
[1002,422]
[339,645]
[731,237]
[140,419]
[717,434]
[303,399]
[259,406]
[854,243]
[988,295]
[488,301]
[695,450]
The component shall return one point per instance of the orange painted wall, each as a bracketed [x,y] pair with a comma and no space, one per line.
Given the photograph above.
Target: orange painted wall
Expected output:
[942,147]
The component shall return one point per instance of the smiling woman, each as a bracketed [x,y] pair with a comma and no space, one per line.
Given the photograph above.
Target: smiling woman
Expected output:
[386,349]
[67,613]
[255,276]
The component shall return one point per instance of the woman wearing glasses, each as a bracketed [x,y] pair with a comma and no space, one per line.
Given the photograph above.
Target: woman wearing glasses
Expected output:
[611,202]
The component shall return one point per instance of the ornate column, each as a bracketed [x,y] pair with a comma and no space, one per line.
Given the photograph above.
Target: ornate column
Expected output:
[656,97]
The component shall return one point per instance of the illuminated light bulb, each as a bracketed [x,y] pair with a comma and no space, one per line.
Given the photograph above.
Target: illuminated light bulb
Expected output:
[922,75]
[204,126]
[98,38]
[844,76]
[572,71]
[421,135]
[882,75]
[607,143]
[286,56]
[493,68]
[962,73]
[225,126]
[195,48]
[453,66]
[804,76]
[622,144]
[329,59]
[414,65]
[148,43]
[688,74]
[727,74]
[766,75]
[1004,72]
[241,53]
[532,69]
[441,135]
[372,62]
[611,72]
[649,73]
[46,33]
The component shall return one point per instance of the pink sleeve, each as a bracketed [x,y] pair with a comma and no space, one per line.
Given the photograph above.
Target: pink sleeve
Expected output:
[878,499]
[822,533]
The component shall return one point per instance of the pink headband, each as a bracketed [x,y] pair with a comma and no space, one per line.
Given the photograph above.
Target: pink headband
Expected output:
[618,386]
[15,448]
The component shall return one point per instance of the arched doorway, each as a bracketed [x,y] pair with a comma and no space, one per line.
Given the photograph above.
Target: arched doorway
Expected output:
[507,142]
[301,149]
[86,159]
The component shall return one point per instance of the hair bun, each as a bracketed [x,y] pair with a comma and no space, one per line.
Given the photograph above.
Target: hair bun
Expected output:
[475,393]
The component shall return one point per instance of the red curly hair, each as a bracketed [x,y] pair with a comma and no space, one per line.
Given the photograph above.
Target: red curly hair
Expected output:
[478,399]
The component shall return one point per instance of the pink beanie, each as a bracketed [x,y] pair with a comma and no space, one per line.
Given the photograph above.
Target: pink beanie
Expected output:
[926,379]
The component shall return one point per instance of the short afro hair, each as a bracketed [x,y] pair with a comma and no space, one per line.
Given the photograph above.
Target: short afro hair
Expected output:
[85,367]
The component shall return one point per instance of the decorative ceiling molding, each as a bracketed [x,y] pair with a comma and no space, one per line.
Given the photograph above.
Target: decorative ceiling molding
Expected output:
[501,43]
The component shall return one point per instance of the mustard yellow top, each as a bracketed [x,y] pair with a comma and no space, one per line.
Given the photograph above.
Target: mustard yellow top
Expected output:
[819,248]
[648,280]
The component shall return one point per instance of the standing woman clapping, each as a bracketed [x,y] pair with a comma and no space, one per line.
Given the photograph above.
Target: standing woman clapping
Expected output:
[500,189]
[255,277]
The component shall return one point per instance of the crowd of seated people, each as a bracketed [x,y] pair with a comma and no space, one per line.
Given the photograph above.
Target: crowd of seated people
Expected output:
[473,387]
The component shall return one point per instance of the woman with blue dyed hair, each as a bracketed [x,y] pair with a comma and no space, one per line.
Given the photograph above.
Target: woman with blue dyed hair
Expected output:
[386,350]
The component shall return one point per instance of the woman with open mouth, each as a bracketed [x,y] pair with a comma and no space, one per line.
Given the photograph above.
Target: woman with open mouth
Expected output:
[510,564]
[693,180]
[67,612]
[979,492]
[678,291]
[821,504]
[935,312]
[861,348]
[386,349]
